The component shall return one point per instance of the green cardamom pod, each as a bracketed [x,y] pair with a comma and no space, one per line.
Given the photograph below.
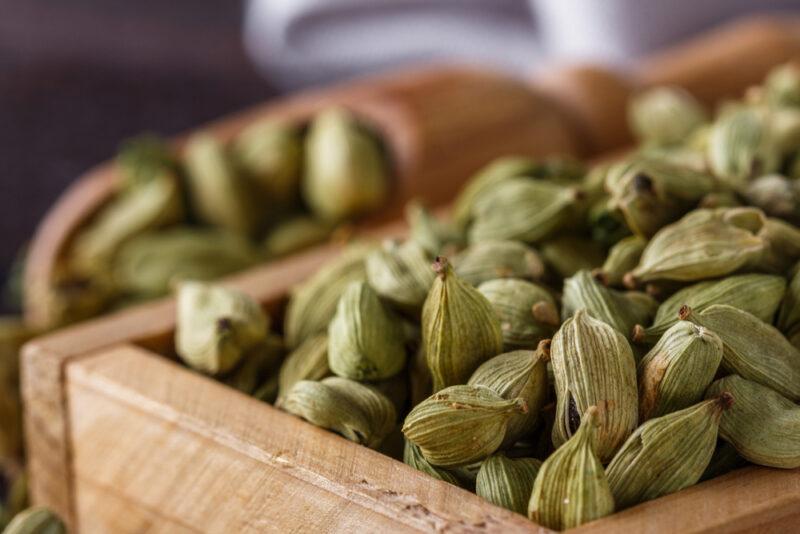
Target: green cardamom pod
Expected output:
[345,171]
[365,340]
[489,260]
[740,147]
[295,234]
[676,372]
[571,487]
[414,458]
[524,210]
[568,254]
[220,195]
[752,348]
[149,265]
[521,374]
[312,304]
[401,273]
[788,318]
[622,258]
[762,425]
[782,86]
[736,291]
[721,199]
[256,365]
[145,158]
[36,520]
[436,237]
[593,365]
[666,454]
[704,244]
[606,223]
[507,482]
[358,412]
[309,361]
[664,115]
[460,424]
[782,247]
[452,309]
[527,312]
[270,153]
[777,195]
[216,326]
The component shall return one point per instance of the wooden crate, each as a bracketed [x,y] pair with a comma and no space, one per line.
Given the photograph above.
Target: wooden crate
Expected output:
[122,439]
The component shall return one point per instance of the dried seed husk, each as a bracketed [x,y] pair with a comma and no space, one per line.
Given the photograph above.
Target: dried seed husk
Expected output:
[414,458]
[486,180]
[622,258]
[295,234]
[763,425]
[652,193]
[313,303]
[257,365]
[151,204]
[593,365]
[736,291]
[571,487]
[345,171]
[270,153]
[452,309]
[704,244]
[568,254]
[309,361]
[724,460]
[527,312]
[460,424]
[752,348]
[507,482]
[436,237]
[401,273]
[150,264]
[518,374]
[777,195]
[219,195]
[666,454]
[355,411]
[664,115]
[365,340]
[36,520]
[216,326]
[489,260]
[524,210]
[740,147]
[676,372]
[615,308]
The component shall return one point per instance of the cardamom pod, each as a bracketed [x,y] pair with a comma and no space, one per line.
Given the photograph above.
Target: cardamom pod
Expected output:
[219,194]
[309,361]
[593,365]
[257,365]
[295,234]
[762,425]
[270,153]
[451,309]
[571,487]
[752,348]
[144,158]
[568,254]
[676,372]
[489,260]
[724,460]
[664,115]
[527,312]
[365,340]
[777,195]
[460,424]
[216,326]
[666,454]
[736,291]
[149,265]
[507,482]
[414,458]
[782,86]
[36,520]
[606,223]
[356,411]
[345,171]
[401,273]
[524,210]
[519,374]
[312,304]
[622,258]
[436,237]
[704,244]
[788,318]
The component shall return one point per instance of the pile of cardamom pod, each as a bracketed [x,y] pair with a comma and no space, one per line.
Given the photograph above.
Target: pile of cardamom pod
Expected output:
[566,342]
[218,208]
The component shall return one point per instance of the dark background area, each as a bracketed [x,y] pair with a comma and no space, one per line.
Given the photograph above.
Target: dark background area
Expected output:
[78,77]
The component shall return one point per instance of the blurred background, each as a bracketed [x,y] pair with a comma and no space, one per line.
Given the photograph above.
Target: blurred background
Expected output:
[78,77]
